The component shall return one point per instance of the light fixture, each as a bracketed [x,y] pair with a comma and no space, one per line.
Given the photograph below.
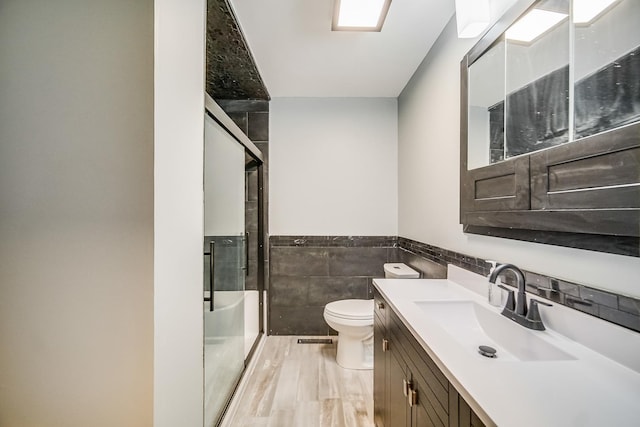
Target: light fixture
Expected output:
[472,17]
[534,24]
[359,15]
[585,11]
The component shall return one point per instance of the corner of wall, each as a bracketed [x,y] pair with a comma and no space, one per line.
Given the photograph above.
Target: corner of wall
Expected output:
[178,225]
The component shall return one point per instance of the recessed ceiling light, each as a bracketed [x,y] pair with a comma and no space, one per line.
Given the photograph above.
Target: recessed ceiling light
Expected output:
[472,17]
[359,15]
[585,11]
[534,24]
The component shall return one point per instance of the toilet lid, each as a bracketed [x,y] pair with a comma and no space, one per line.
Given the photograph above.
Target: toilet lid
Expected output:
[357,309]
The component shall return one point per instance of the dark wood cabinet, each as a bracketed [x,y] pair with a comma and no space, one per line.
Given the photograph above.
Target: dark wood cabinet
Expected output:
[582,193]
[500,187]
[380,361]
[409,389]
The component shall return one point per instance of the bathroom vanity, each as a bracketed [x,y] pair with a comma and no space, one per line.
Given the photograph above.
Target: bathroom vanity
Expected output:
[581,371]
[409,389]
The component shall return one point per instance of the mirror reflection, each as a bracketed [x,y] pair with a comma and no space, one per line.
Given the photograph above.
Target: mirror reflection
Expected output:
[555,77]
[486,108]
[606,65]
[537,79]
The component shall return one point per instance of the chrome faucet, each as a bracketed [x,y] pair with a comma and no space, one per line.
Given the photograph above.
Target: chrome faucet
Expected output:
[529,317]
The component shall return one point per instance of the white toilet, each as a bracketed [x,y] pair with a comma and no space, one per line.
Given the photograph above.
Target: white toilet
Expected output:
[353,319]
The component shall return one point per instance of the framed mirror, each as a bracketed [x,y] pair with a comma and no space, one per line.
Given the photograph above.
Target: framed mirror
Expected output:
[550,126]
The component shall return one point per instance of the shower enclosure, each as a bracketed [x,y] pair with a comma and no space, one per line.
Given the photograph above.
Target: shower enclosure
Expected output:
[232,314]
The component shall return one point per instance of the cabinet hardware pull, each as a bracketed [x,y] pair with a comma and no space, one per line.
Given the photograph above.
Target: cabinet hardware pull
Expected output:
[413,397]
[380,306]
[406,386]
[385,345]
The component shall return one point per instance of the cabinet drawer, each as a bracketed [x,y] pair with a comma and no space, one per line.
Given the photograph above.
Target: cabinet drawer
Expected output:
[599,172]
[380,307]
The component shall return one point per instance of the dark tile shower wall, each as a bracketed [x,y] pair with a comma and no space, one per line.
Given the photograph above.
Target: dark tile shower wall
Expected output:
[307,272]
[619,309]
[231,71]
[228,261]
[252,117]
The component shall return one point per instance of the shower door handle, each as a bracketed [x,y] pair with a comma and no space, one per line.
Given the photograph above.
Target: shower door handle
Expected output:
[212,247]
[246,253]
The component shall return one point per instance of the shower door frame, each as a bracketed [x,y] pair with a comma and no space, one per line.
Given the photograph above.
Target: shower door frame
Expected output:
[215,112]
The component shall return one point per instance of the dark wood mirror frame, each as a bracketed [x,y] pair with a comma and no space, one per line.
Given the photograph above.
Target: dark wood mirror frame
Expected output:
[584,194]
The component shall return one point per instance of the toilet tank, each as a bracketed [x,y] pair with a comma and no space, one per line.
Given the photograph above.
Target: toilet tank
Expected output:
[398,270]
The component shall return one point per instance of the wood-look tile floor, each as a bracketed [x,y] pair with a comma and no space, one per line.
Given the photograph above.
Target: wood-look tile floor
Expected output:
[302,385]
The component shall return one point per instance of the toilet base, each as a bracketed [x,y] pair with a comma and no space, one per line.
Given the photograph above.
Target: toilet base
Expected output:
[355,352]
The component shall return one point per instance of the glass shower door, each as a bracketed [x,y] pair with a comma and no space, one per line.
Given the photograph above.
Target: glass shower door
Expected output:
[224,281]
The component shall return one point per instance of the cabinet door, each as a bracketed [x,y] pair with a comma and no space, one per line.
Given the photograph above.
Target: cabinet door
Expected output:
[398,414]
[591,186]
[422,412]
[379,373]
[460,413]
[499,187]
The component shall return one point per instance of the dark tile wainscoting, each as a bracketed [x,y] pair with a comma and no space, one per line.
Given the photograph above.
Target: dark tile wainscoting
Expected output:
[619,309]
[307,272]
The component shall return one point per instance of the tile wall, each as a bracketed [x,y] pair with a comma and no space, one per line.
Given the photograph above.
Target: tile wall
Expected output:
[619,309]
[252,117]
[307,272]
[228,262]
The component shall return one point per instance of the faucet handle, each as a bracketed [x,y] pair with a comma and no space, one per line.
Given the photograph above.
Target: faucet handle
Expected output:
[541,302]
[534,313]
[511,302]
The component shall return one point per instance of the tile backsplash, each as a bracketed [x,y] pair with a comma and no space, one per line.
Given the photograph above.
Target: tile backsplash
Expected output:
[619,309]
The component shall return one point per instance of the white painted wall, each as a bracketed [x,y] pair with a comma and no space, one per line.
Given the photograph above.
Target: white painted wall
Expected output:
[609,37]
[480,145]
[76,213]
[333,166]
[179,128]
[486,88]
[428,170]
[526,63]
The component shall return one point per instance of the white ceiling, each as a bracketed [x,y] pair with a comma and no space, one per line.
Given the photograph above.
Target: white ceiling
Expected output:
[298,55]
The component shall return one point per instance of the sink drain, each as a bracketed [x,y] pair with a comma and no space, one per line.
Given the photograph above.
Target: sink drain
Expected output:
[487,351]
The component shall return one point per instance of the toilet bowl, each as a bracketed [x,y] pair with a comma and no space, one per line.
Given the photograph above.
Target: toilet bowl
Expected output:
[353,320]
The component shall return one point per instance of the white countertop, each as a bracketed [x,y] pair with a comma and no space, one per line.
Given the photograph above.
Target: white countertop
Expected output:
[590,390]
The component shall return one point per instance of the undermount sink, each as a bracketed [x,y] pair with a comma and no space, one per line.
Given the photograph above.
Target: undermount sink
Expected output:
[472,325]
